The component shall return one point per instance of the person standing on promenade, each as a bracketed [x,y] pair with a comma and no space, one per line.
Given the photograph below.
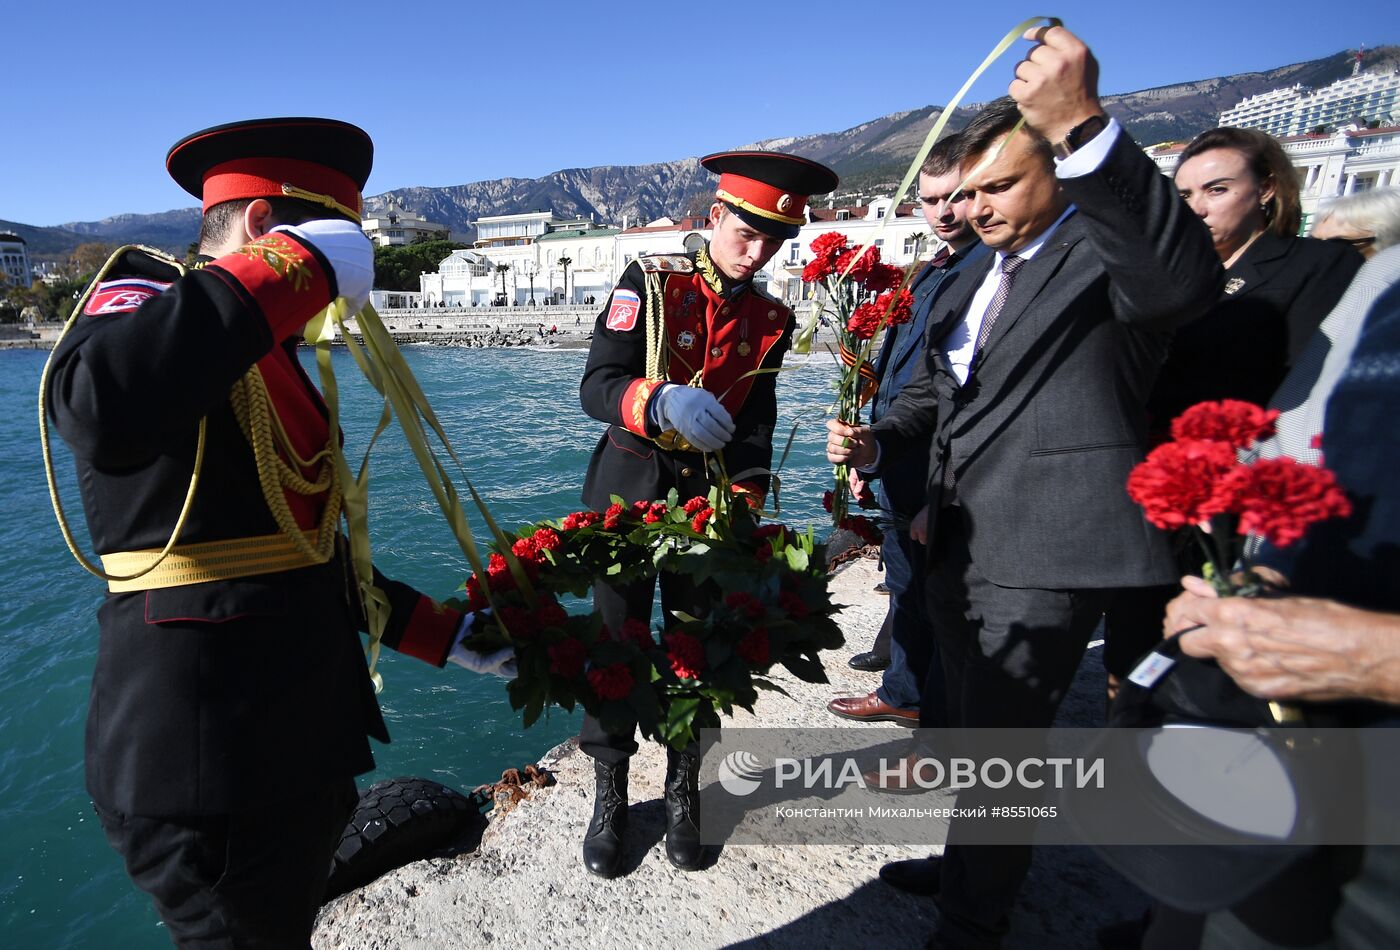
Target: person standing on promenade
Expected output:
[1034,387]
[911,691]
[231,702]
[667,409]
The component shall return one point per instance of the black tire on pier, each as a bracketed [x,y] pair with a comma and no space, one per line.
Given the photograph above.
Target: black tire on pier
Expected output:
[398,821]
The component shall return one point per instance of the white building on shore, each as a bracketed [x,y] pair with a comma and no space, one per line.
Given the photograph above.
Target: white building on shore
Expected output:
[14,261]
[1359,99]
[534,256]
[396,225]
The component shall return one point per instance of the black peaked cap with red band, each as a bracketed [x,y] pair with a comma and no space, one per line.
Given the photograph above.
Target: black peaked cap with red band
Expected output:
[769,190]
[325,161]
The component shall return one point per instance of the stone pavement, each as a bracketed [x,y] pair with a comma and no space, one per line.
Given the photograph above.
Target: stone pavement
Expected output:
[525,884]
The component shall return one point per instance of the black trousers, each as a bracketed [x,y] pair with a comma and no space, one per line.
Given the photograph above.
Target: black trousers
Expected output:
[633,602]
[1009,656]
[252,878]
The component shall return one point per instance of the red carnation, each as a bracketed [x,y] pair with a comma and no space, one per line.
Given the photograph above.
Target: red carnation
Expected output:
[520,624]
[747,604]
[640,507]
[498,574]
[611,517]
[581,519]
[566,658]
[859,269]
[546,539]
[1231,421]
[638,632]
[695,504]
[686,654]
[1280,498]
[884,277]
[1178,483]
[701,517]
[655,513]
[826,248]
[551,614]
[864,321]
[524,548]
[611,682]
[793,604]
[862,527]
[754,647]
[476,597]
[827,499]
[768,531]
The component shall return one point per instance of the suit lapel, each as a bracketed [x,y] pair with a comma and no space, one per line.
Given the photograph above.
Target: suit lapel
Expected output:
[1032,280]
[949,308]
[1256,266]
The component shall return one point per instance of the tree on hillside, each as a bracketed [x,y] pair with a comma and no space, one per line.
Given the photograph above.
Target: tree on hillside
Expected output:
[397,268]
[87,258]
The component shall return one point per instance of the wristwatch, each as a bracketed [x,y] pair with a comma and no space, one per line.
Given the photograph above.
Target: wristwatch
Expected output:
[1076,137]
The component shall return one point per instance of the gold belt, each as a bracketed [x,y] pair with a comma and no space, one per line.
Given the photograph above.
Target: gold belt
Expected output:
[208,561]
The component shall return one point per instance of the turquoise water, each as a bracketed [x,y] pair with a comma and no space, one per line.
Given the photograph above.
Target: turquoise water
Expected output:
[514,417]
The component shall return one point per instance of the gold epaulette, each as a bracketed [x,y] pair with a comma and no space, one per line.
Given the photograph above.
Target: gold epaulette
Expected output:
[208,561]
[666,264]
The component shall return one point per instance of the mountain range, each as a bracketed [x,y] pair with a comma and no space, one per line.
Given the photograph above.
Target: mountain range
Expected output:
[870,158]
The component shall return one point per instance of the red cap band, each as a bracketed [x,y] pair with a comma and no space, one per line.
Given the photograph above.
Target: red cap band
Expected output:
[264,177]
[762,199]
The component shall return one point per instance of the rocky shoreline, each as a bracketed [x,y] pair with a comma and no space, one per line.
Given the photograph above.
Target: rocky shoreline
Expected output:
[526,882]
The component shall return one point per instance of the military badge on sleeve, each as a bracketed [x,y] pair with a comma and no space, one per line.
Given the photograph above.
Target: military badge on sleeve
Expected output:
[122,296]
[622,315]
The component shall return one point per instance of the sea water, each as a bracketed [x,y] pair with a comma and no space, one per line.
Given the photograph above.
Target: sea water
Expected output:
[513,416]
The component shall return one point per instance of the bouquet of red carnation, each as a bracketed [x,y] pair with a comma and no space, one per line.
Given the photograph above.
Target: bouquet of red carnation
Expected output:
[566,659]
[775,609]
[863,296]
[1196,481]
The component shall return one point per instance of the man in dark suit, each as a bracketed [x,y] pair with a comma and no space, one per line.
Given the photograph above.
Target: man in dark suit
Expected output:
[911,692]
[1033,387]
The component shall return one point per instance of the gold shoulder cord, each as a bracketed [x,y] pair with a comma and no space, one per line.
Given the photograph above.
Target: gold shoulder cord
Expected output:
[278,471]
[47,452]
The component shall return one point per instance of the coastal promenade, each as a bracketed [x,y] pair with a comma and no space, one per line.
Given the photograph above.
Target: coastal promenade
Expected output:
[525,883]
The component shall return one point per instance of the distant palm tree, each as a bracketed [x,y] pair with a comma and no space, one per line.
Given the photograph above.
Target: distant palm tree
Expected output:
[501,269]
[565,262]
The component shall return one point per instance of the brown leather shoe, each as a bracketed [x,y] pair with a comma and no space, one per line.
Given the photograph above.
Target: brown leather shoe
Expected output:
[870,708]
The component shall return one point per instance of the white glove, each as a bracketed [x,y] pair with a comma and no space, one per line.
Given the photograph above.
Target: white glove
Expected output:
[696,414]
[500,663]
[350,254]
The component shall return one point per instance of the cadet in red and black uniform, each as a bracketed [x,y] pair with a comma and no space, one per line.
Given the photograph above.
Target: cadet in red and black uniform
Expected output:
[667,407]
[231,702]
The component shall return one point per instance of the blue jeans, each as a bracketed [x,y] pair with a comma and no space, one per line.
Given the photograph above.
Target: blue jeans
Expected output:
[914,678]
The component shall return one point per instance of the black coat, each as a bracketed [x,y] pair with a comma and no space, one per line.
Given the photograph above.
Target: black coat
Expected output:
[1274,297]
[1043,435]
[216,696]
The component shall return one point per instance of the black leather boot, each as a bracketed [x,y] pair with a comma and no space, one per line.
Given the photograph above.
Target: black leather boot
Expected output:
[602,844]
[683,847]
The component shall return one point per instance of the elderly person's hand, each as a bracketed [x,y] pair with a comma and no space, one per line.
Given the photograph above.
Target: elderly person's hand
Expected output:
[1291,647]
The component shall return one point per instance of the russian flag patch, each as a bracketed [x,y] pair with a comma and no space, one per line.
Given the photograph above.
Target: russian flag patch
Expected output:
[622,315]
[122,296]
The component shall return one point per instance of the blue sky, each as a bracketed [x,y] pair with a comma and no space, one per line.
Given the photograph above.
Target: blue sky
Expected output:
[458,92]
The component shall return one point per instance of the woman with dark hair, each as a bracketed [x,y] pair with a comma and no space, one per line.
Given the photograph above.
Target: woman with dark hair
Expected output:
[1278,289]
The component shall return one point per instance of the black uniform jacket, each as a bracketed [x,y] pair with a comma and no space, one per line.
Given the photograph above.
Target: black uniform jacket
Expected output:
[1275,295]
[711,325]
[211,697]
